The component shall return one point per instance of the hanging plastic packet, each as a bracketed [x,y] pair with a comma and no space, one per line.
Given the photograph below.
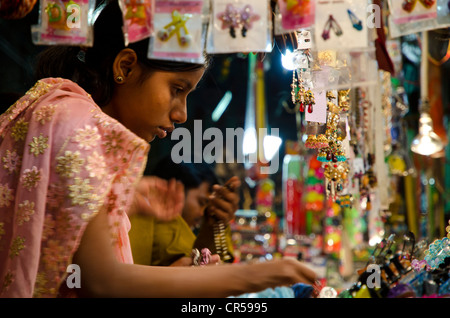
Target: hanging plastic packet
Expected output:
[137,18]
[297,14]
[418,16]
[240,26]
[404,11]
[178,31]
[65,22]
[341,25]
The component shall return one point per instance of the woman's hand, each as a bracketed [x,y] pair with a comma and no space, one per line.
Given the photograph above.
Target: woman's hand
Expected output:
[163,199]
[187,261]
[224,201]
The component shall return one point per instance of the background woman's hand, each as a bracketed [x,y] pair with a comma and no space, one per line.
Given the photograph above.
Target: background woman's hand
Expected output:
[224,201]
[163,199]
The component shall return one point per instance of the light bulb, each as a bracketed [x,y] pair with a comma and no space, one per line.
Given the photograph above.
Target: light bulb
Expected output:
[427,142]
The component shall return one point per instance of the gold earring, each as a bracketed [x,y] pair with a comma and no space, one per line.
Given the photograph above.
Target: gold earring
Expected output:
[119,79]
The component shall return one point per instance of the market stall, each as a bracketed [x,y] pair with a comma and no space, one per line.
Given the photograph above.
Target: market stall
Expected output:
[354,178]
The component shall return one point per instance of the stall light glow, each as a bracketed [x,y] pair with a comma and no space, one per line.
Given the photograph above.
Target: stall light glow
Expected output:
[249,144]
[427,142]
[221,106]
[287,60]
[374,240]
[271,146]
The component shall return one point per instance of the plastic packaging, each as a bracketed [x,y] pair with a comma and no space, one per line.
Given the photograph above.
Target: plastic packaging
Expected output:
[438,18]
[297,14]
[403,11]
[178,27]
[239,26]
[64,22]
[137,19]
[341,25]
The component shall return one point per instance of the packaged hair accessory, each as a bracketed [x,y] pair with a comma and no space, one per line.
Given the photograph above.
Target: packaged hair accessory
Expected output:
[404,11]
[297,14]
[239,26]
[67,22]
[178,31]
[341,25]
[137,19]
[420,18]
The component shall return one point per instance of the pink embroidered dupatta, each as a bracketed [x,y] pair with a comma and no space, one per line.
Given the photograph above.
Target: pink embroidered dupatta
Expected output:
[61,159]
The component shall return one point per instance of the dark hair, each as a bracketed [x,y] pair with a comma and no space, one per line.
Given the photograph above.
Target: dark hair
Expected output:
[190,174]
[91,67]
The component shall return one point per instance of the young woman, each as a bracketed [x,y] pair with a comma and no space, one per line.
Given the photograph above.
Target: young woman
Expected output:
[72,150]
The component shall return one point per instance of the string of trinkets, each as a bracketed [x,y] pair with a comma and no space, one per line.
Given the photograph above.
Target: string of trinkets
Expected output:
[336,168]
[302,95]
[334,152]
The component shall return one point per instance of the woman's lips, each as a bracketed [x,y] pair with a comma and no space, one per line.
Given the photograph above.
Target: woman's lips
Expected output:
[162,133]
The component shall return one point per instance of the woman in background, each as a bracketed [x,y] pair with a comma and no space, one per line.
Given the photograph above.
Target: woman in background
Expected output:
[159,242]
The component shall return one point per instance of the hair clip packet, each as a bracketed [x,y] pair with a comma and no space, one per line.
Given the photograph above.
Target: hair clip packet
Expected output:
[138,19]
[64,22]
[178,23]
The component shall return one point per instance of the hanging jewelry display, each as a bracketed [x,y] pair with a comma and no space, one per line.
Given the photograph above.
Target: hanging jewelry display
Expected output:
[316,136]
[302,95]
[334,152]
[336,175]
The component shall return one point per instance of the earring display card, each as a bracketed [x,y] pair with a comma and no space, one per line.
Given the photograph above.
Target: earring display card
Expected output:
[240,26]
[404,11]
[341,24]
[178,31]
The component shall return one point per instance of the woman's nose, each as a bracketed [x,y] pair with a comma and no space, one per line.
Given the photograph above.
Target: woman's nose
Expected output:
[179,113]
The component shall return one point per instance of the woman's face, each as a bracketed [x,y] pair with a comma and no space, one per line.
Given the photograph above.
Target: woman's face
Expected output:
[152,106]
[195,204]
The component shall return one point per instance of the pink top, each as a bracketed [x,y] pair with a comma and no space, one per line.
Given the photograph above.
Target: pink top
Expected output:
[61,159]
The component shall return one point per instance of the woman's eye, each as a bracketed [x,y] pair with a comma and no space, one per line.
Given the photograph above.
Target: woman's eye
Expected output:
[178,90]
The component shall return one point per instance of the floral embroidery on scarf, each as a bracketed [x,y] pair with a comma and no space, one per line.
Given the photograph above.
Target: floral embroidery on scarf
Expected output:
[45,113]
[39,288]
[55,195]
[26,209]
[87,138]
[94,205]
[38,145]
[39,89]
[49,227]
[12,161]
[69,164]
[96,166]
[20,130]
[80,192]
[30,178]
[113,142]
[66,223]
[6,195]
[2,230]
[102,120]
[17,245]
[53,257]
[111,201]
[9,278]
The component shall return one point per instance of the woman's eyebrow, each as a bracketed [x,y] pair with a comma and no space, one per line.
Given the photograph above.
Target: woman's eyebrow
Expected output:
[188,84]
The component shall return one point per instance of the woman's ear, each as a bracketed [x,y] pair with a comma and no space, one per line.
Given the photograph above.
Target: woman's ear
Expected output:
[124,65]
